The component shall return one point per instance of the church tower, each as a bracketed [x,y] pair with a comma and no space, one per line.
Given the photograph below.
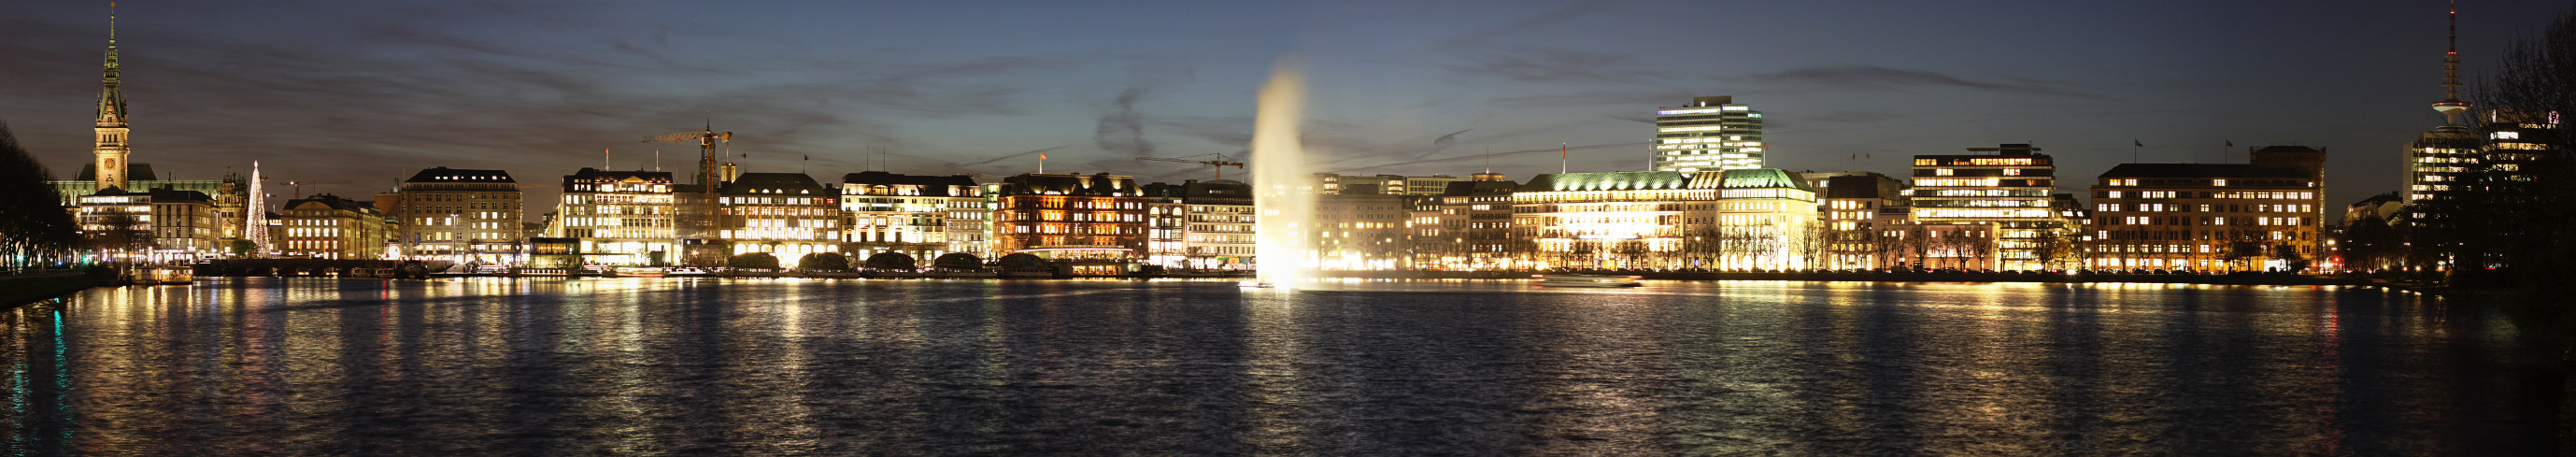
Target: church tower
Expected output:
[111,149]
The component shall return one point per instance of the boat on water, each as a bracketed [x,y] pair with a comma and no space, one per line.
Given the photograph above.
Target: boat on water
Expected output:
[165,276]
[1588,280]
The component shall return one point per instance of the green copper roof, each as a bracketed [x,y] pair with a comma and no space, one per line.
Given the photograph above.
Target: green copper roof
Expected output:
[1626,180]
[1761,178]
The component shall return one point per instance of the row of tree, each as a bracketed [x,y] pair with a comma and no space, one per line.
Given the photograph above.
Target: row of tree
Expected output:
[35,229]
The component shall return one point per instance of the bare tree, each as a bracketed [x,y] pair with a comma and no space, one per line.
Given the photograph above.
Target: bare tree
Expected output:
[34,225]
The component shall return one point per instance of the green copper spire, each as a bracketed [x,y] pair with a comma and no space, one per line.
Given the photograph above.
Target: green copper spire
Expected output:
[111,103]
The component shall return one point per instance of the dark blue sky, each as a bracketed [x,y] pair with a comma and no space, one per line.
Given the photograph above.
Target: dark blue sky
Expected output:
[369,92]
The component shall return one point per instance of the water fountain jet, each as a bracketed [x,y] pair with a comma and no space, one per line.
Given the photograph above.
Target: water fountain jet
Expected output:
[1285,208]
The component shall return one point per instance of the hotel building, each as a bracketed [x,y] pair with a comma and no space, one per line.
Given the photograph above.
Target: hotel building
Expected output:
[904,214]
[619,217]
[786,215]
[1070,217]
[464,216]
[1633,219]
[1766,219]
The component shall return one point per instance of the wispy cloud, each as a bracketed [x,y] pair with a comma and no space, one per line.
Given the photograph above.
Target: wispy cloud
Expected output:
[1879,79]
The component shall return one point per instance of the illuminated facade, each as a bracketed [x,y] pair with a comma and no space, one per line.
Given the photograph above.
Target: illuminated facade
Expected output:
[1218,221]
[1865,216]
[904,213]
[325,226]
[116,222]
[1360,231]
[786,215]
[1611,220]
[1766,220]
[1709,134]
[619,217]
[2208,217]
[1468,227]
[2516,141]
[1099,217]
[111,150]
[464,216]
[1165,220]
[1986,212]
[185,225]
[2436,160]
[1340,184]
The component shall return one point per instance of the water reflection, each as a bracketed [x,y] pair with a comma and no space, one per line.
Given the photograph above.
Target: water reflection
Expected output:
[624,366]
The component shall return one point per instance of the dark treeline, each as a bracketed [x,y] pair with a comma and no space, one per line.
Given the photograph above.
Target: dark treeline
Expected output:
[35,228]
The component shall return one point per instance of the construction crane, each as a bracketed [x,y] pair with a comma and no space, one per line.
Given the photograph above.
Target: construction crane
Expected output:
[706,150]
[1220,163]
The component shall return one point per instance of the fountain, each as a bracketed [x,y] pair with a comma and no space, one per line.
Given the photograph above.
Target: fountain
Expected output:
[1286,209]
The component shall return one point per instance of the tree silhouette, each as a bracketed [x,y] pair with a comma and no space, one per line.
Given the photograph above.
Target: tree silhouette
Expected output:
[34,225]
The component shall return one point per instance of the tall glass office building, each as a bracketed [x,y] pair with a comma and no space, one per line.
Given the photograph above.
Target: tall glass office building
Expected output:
[1709,134]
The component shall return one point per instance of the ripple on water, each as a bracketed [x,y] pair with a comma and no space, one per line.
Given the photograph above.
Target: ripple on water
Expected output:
[267,366]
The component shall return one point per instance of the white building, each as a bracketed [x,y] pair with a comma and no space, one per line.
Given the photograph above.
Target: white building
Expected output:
[1709,134]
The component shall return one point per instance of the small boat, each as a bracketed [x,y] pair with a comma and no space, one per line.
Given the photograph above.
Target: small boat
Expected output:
[165,276]
[1588,281]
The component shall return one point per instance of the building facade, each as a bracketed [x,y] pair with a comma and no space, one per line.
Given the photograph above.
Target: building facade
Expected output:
[1637,219]
[1708,134]
[325,226]
[1099,217]
[1766,220]
[619,217]
[1218,220]
[904,214]
[1864,216]
[1341,184]
[785,215]
[459,215]
[1986,212]
[2264,215]
[1467,227]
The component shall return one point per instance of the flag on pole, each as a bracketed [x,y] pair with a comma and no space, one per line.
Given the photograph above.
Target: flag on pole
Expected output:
[2231,143]
[2135,142]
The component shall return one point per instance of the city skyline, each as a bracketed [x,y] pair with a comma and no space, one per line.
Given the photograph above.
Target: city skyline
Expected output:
[534,88]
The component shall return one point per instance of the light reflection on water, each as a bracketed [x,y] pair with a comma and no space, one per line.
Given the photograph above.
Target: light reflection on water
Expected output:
[631,366]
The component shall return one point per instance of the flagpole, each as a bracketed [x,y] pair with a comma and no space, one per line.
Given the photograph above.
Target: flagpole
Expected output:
[1561,149]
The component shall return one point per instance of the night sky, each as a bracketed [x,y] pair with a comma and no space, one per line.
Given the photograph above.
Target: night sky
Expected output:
[366,93]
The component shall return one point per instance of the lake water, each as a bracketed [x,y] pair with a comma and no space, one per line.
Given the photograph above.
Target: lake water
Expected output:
[306,366]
